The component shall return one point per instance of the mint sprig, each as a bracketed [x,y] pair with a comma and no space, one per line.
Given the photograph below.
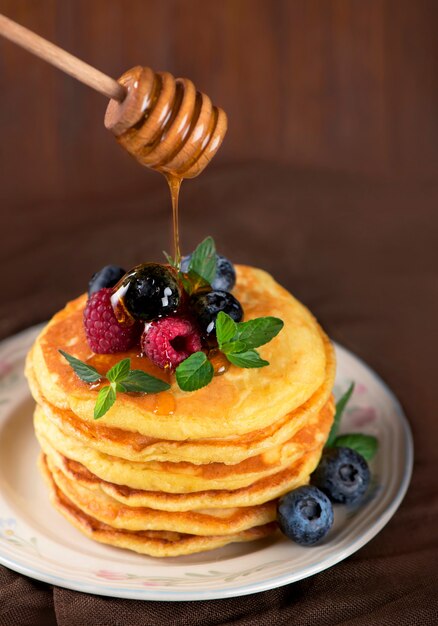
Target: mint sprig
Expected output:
[340,408]
[239,340]
[121,378]
[203,260]
[197,371]
[366,445]
[201,269]
[194,372]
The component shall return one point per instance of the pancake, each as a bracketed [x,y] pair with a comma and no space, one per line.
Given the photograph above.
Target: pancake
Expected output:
[175,473]
[259,492]
[106,509]
[242,401]
[152,543]
[184,477]
[136,447]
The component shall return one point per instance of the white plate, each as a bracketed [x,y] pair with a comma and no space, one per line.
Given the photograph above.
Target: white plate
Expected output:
[35,540]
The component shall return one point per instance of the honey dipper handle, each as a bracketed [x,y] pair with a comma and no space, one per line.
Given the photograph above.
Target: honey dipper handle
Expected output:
[61,59]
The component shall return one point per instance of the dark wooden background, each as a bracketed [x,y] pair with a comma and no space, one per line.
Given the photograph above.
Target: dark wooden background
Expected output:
[338,84]
[325,98]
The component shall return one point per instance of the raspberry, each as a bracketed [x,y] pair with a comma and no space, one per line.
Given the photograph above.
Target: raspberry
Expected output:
[104,334]
[170,340]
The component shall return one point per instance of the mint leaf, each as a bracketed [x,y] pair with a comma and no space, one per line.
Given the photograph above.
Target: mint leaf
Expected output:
[340,407]
[255,333]
[119,371]
[233,347]
[248,359]
[195,372]
[105,400]
[85,372]
[138,381]
[226,328]
[192,282]
[366,445]
[203,260]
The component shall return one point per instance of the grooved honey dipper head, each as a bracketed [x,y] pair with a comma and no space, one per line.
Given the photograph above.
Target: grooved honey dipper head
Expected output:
[165,123]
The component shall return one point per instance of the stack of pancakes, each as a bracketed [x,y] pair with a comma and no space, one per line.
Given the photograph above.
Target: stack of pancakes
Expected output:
[175,473]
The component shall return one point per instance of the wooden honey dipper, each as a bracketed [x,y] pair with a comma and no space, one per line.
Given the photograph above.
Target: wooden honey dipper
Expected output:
[163,122]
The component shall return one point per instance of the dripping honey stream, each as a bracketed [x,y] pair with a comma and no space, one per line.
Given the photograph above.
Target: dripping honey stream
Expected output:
[174,183]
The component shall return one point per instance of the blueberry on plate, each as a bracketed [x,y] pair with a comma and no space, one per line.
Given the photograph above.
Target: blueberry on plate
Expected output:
[305,515]
[206,307]
[225,278]
[342,474]
[108,276]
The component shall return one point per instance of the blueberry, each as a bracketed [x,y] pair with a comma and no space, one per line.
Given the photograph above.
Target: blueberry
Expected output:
[108,276]
[185,260]
[342,474]
[305,515]
[206,307]
[147,292]
[225,278]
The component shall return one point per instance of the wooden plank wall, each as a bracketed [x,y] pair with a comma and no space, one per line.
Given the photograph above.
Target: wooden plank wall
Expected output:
[348,85]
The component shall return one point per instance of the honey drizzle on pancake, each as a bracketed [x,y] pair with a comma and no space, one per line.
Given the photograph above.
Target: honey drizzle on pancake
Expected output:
[104,362]
[165,403]
[219,361]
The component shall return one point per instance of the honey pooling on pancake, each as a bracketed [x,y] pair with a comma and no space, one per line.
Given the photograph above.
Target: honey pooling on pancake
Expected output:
[220,363]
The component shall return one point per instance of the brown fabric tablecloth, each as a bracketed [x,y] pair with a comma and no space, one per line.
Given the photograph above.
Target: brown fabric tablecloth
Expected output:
[362,254]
